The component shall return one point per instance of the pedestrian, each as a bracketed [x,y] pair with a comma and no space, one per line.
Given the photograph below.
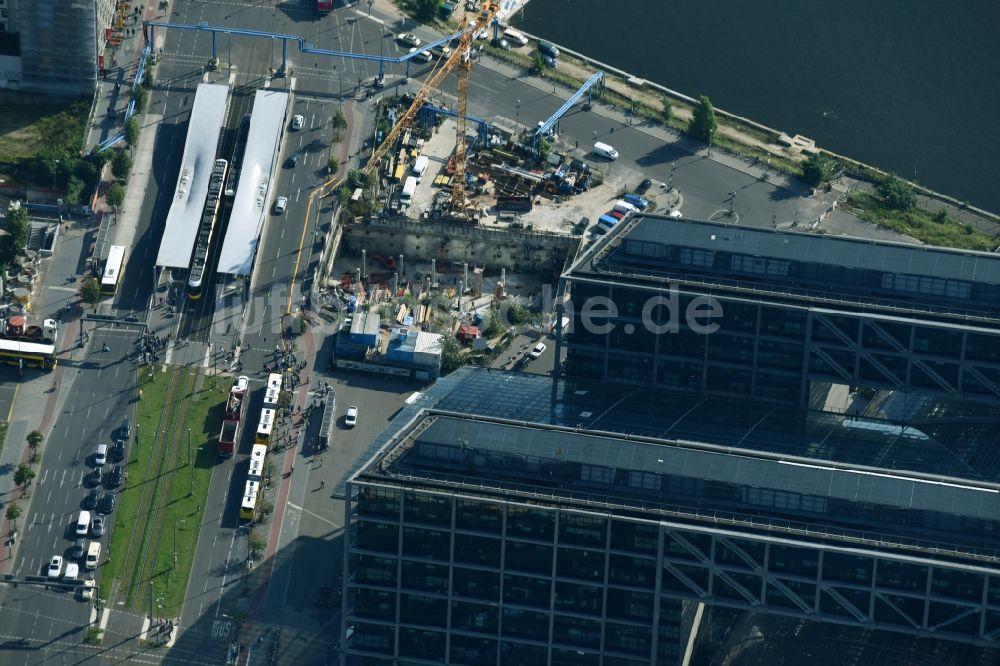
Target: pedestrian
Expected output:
[291,469]
[322,483]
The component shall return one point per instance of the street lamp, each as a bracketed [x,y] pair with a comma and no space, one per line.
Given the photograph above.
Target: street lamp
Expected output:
[710,133]
[517,113]
[370,3]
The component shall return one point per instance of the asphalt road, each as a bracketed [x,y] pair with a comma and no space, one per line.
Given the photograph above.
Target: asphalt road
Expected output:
[53,622]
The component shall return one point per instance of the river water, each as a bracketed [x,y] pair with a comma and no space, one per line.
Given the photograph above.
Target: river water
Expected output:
[911,86]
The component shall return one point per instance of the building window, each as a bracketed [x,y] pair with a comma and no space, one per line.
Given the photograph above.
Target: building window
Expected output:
[758,265]
[596,474]
[644,480]
[582,530]
[695,257]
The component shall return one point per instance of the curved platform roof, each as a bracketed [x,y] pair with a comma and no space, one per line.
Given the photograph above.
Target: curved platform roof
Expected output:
[204,126]
[256,172]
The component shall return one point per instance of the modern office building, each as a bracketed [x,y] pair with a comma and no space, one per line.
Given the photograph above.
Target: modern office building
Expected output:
[503,519]
[60,44]
[797,312]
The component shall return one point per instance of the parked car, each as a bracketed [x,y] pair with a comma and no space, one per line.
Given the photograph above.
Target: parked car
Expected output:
[117,476]
[351,419]
[97,526]
[55,567]
[408,39]
[280,204]
[537,350]
[108,503]
[644,186]
[297,122]
[89,502]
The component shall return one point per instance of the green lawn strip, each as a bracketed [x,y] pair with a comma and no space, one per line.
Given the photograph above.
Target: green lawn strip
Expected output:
[127,519]
[187,501]
[30,123]
[920,224]
[3,433]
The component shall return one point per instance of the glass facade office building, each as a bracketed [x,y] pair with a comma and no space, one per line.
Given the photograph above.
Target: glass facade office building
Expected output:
[796,310]
[505,519]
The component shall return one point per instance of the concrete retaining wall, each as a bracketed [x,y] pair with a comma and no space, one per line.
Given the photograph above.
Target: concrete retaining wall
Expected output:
[518,251]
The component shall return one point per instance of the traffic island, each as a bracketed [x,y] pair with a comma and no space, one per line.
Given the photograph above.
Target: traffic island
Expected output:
[170,462]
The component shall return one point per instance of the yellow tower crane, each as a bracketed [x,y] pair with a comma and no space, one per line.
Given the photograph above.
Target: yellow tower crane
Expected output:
[462,58]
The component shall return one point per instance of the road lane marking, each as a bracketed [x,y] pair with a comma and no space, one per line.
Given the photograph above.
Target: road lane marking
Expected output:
[318,517]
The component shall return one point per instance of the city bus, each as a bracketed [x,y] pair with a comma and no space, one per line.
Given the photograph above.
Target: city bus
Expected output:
[248,507]
[257,455]
[113,269]
[28,354]
[272,391]
[264,426]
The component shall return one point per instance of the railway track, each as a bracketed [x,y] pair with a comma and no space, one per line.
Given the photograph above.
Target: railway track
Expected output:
[141,554]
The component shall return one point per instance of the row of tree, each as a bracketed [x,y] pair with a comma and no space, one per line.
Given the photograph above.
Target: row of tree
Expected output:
[24,475]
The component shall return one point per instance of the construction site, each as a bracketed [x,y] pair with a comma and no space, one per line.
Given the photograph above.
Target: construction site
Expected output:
[453,220]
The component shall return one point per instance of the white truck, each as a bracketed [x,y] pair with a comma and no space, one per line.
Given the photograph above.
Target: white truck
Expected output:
[409,187]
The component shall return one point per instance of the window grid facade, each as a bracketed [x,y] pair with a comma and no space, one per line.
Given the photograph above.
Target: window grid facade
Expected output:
[512,583]
[772,351]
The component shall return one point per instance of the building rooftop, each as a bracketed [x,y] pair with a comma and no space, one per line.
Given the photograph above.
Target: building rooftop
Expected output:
[837,476]
[188,202]
[253,189]
[653,249]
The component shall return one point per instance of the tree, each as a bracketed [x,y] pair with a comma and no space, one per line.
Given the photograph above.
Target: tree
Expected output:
[115,195]
[334,164]
[537,62]
[74,189]
[23,475]
[425,10]
[13,513]
[703,123]
[121,165]
[90,292]
[35,440]
[131,132]
[451,354]
[667,110]
[357,178]
[896,193]
[18,227]
[494,324]
[544,148]
[816,170]
[141,96]
[256,545]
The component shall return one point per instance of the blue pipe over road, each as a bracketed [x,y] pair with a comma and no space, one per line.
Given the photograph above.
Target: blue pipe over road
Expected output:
[303,47]
[574,98]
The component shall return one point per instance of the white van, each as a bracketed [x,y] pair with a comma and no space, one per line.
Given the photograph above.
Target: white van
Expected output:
[72,571]
[93,554]
[604,150]
[515,37]
[409,187]
[83,524]
[624,207]
[420,167]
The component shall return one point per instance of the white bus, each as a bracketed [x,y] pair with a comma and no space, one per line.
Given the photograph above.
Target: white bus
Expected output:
[113,269]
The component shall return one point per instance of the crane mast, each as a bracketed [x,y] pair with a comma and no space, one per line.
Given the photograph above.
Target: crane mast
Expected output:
[461,58]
